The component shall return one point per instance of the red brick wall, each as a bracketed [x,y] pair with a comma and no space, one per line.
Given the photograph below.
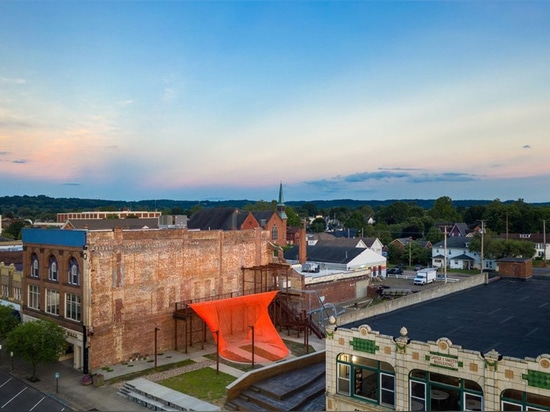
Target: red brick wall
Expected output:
[338,291]
[519,269]
[137,277]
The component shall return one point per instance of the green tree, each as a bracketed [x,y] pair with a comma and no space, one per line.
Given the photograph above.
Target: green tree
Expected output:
[444,210]
[8,321]
[37,342]
[318,225]
[292,217]
[14,229]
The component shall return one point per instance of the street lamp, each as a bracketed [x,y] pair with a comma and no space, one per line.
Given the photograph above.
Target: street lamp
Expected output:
[57,382]
[252,327]
[0,353]
[11,354]
[217,351]
[156,330]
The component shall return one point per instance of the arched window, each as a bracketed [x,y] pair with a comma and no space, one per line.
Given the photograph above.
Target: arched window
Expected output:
[52,269]
[514,400]
[440,392]
[366,379]
[35,266]
[73,272]
[275,233]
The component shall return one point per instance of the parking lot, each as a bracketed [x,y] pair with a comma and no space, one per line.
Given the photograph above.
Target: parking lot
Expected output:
[16,395]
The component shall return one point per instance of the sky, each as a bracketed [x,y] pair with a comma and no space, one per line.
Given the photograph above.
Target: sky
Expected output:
[217,100]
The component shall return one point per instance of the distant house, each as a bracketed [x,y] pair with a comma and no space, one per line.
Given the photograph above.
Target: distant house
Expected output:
[404,242]
[463,229]
[457,254]
[536,238]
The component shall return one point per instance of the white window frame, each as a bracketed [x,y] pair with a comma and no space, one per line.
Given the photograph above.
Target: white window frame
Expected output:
[73,307]
[52,302]
[34,297]
[53,269]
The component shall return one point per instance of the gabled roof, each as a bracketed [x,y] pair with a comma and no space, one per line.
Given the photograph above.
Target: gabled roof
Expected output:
[341,242]
[454,242]
[326,254]
[462,257]
[263,215]
[110,224]
[217,218]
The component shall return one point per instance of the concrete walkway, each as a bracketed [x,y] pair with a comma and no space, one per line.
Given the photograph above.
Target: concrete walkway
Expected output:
[77,397]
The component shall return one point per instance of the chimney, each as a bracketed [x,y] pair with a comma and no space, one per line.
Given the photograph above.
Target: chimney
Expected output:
[302,245]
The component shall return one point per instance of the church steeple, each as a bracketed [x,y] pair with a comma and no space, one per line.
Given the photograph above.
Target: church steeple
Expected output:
[281,203]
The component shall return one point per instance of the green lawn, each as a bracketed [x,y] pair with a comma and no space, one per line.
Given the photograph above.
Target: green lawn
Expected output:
[204,384]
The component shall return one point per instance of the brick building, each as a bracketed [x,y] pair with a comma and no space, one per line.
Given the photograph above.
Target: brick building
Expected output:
[114,290]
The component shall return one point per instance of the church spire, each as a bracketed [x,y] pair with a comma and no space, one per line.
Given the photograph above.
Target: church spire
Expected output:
[281,203]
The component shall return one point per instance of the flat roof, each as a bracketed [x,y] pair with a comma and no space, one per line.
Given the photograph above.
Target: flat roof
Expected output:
[508,315]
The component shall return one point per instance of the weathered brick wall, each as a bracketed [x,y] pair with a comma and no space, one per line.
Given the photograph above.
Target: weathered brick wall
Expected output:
[338,291]
[137,277]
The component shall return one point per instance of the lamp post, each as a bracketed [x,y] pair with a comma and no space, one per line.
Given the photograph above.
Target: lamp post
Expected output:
[11,354]
[217,352]
[156,330]
[57,382]
[252,327]
[0,353]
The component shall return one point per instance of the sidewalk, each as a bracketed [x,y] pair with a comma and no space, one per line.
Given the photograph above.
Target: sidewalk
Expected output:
[78,397]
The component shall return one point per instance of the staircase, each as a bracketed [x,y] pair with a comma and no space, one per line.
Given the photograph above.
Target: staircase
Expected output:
[298,390]
[160,398]
[299,320]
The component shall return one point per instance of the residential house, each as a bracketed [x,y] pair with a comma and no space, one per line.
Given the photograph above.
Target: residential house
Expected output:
[455,252]
[538,240]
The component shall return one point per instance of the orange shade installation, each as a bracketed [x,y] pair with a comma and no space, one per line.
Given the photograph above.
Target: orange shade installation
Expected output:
[236,320]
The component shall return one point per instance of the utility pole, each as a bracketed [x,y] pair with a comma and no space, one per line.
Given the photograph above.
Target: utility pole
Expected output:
[482,241]
[544,242]
[445,255]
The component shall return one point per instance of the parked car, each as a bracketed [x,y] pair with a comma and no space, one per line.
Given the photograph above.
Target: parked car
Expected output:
[395,271]
[418,267]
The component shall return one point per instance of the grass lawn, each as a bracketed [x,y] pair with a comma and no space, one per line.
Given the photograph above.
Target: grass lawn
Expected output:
[203,384]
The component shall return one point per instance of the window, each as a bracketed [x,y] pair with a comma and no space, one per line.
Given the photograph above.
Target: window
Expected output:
[514,400]
[52,269]
[373,381]
[35,264]
[73,272]
[52,301]
[439,392]
[17,293]
[274,233]
[72,307]
[34,297]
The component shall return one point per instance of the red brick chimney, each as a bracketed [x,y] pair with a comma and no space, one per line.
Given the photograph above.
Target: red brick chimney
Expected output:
[302,245]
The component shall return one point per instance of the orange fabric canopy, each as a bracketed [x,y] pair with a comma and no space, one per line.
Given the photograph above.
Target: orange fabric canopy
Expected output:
[234,318]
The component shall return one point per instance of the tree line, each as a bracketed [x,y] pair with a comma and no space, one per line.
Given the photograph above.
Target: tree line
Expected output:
[386,220]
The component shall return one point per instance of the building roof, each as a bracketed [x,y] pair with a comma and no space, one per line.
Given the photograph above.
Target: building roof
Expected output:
[217,218]
[325,254]
[508,315]
[110,224]
[459,242]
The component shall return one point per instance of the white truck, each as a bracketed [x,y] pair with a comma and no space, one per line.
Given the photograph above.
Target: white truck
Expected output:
[425,276]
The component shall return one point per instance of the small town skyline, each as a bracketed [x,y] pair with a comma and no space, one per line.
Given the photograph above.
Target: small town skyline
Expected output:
[223,100]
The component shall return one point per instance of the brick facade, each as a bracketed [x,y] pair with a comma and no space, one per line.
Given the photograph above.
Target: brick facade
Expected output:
[137,277]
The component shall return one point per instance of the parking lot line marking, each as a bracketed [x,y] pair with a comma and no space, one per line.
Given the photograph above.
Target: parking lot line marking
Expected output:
[6,382]
[20,392]
[36,404]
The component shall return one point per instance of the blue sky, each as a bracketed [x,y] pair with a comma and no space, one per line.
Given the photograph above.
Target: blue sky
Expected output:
[213,100]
